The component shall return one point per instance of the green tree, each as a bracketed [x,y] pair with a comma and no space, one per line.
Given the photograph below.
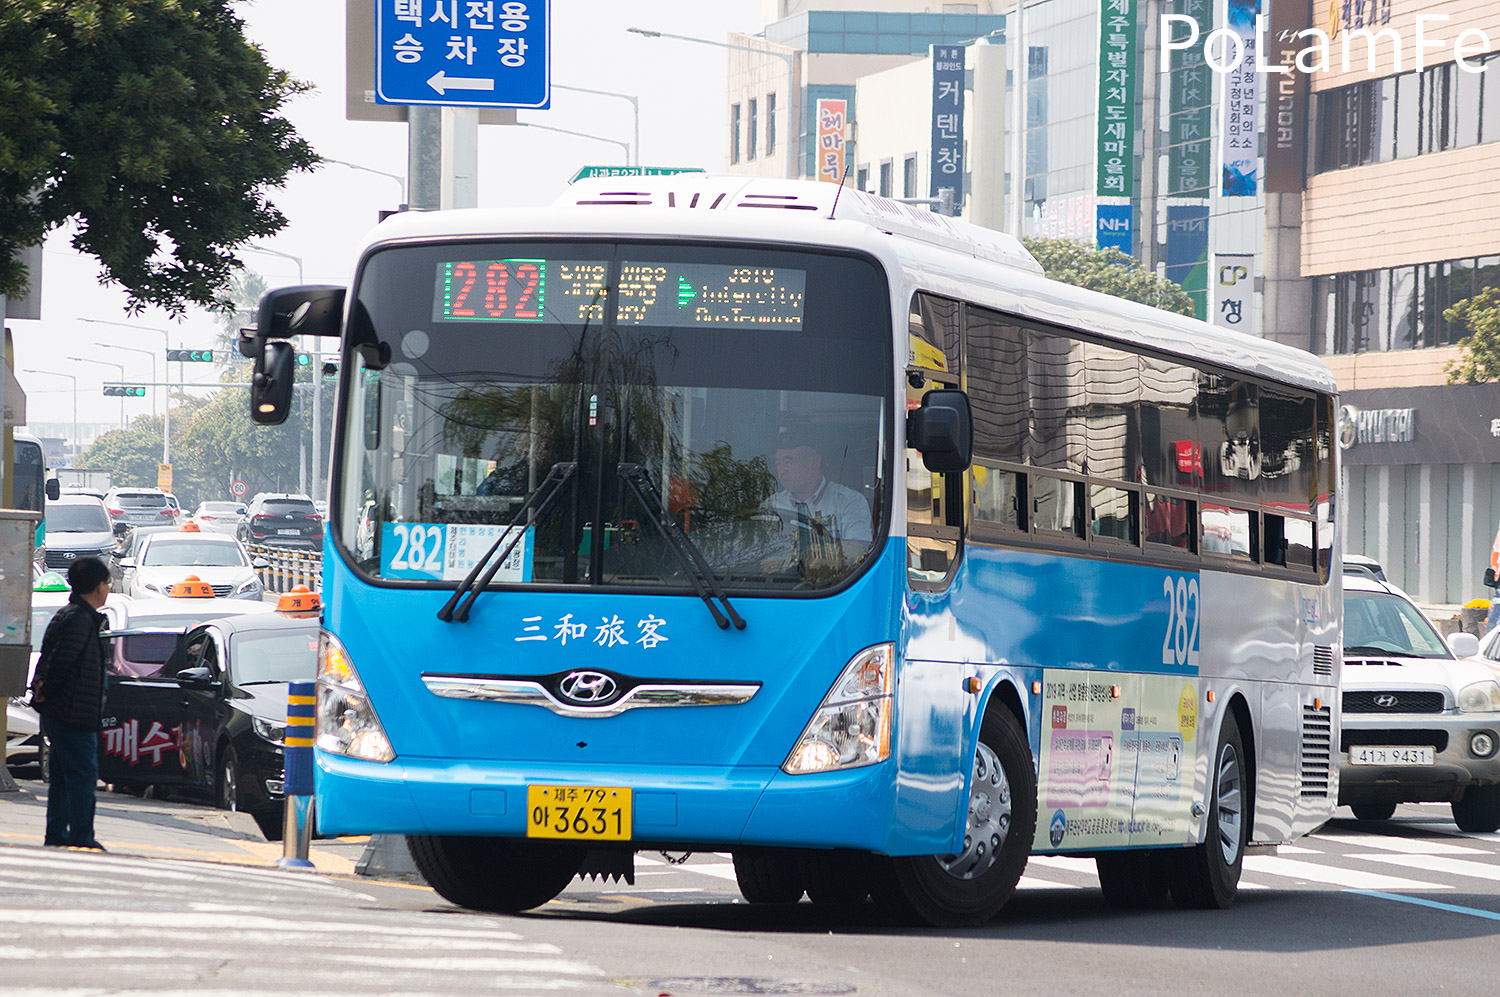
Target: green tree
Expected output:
[153,124]
[237,311]
[1107,270]
[1478,352]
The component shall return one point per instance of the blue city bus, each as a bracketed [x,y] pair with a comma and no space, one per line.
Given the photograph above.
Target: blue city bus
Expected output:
[761,517]
[28,472]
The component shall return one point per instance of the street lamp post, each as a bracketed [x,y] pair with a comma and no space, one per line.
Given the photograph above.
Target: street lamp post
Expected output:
[166,411]
[132,349]
[624,147]
[635,107]
[118,366]
[317,375]
[355,166]
[794,126]
[57,373]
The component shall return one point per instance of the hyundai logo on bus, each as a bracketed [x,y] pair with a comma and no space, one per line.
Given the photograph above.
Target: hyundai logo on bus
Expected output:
[1376,425]
[588,687]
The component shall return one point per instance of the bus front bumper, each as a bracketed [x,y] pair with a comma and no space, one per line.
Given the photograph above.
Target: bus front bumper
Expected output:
[686,806]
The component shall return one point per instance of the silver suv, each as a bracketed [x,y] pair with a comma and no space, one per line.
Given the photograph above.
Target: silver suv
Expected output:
[1421,723]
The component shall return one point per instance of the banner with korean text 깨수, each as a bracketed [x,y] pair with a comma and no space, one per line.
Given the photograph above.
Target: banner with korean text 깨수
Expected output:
[1187,252]
[1190,91]
[1234,285]
[948,123]
[832,115]
[1117,88]
[1239,141]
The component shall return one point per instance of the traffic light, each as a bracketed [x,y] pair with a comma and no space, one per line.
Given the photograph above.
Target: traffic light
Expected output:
[303,359]
[190,356]
[125,390]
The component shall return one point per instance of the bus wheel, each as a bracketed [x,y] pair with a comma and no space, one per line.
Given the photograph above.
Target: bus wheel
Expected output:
[835,877]
[1207,876]
[1132,879]
[502,875]
[967,889]
[768,877]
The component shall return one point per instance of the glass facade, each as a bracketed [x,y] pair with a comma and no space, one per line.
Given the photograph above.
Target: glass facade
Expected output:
[1399,308]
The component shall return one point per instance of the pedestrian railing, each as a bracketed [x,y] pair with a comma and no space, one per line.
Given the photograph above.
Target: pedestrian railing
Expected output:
[288,567]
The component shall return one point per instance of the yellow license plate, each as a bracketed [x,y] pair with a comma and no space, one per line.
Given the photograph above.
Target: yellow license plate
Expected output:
[578,813]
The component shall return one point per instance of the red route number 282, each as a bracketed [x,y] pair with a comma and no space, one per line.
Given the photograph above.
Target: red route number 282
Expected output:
[506,289]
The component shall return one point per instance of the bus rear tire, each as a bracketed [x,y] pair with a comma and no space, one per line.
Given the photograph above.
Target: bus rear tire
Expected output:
[768,876]
[501,875]
[1207,876]
[967,889]
[1132,880]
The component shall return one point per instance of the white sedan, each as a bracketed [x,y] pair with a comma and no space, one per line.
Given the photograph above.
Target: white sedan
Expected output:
[164,559]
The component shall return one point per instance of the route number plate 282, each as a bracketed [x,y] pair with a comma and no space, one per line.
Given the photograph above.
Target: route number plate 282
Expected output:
[578,813]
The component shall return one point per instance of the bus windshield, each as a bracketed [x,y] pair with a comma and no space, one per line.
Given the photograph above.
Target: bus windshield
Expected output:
[737,394]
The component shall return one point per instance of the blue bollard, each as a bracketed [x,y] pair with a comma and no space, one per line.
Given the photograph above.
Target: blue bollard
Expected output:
[297,781]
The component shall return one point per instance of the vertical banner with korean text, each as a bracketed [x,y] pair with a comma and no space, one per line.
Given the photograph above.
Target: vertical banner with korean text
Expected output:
[1117,88]
[948,123]
[1234,285]
[1187,252]
[832,115]
[1239,140]
[1286,103]
[1190,90]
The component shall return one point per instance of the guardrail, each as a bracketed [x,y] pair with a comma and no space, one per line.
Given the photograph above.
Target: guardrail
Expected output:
[289,566]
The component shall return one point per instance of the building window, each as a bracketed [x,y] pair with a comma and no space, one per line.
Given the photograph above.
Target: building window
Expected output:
[862,178]
[734,134]
[753,129]
[885,179]
[1399,308]
[909,176]
[770,124]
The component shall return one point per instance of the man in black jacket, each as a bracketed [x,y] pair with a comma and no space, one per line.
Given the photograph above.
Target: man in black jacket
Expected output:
[68,692]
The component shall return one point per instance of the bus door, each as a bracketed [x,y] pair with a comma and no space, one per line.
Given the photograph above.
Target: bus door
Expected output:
[934,501]
[141,741]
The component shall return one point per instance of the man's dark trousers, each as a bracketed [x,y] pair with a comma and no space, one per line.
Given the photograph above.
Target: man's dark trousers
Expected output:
[73,771]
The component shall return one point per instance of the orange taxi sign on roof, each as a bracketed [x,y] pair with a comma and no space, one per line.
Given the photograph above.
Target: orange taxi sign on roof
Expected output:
[191,587]
[191,526]
[300,601]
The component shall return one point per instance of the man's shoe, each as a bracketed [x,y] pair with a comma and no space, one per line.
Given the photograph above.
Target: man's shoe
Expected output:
[94,846]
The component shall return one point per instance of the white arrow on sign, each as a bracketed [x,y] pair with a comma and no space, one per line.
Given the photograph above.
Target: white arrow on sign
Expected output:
[442,84]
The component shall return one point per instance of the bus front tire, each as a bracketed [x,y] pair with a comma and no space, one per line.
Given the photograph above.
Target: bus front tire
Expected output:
[967,889]
[768,876]
[501,875]
[1207,876]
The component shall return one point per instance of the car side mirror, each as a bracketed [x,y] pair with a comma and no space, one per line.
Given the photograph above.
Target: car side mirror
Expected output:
[196,677]
[271,384]
[1463,644]
[260,563]
[127,562]
[942,430]
[54,489]
[1489,578]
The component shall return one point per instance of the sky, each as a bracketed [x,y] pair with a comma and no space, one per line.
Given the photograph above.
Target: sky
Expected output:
[683,120]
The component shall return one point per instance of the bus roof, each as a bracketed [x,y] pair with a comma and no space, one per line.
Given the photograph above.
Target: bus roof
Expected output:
[928,251]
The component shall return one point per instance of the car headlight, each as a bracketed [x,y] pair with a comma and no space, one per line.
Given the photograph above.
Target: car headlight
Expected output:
[275,733]
[852,726]
[1481,697]
[347,724]
[248,586]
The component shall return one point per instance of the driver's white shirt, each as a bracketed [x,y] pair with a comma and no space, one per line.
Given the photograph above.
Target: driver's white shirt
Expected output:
[841,511]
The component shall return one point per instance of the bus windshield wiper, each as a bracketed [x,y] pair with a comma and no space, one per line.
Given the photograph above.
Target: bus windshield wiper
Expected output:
[681,545]
[542,498]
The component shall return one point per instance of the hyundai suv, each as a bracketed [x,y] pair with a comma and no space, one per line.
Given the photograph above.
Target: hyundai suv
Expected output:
[141,507]
[279,519]
[1420,722]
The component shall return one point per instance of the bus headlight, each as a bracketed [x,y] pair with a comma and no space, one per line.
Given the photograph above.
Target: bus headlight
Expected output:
[852,726]
[1481,697]
[347,724]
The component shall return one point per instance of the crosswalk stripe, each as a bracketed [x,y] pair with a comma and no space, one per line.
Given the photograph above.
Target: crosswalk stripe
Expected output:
[206,921]
[1352,879]
[1396,843]
[1440,864]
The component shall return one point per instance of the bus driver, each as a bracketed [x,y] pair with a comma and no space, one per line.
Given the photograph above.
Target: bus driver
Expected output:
[823,522]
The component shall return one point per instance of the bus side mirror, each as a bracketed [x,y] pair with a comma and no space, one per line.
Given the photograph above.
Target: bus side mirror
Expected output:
[942,430]
[271,384]
[310,310]
[53,489]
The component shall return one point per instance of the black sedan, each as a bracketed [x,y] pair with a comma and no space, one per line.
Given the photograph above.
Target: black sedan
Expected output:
[203,714]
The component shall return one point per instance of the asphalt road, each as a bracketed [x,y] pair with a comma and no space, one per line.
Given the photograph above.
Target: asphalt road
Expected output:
[184,903]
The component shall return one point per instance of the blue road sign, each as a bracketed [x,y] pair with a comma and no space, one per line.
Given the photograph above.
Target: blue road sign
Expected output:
[468,53]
